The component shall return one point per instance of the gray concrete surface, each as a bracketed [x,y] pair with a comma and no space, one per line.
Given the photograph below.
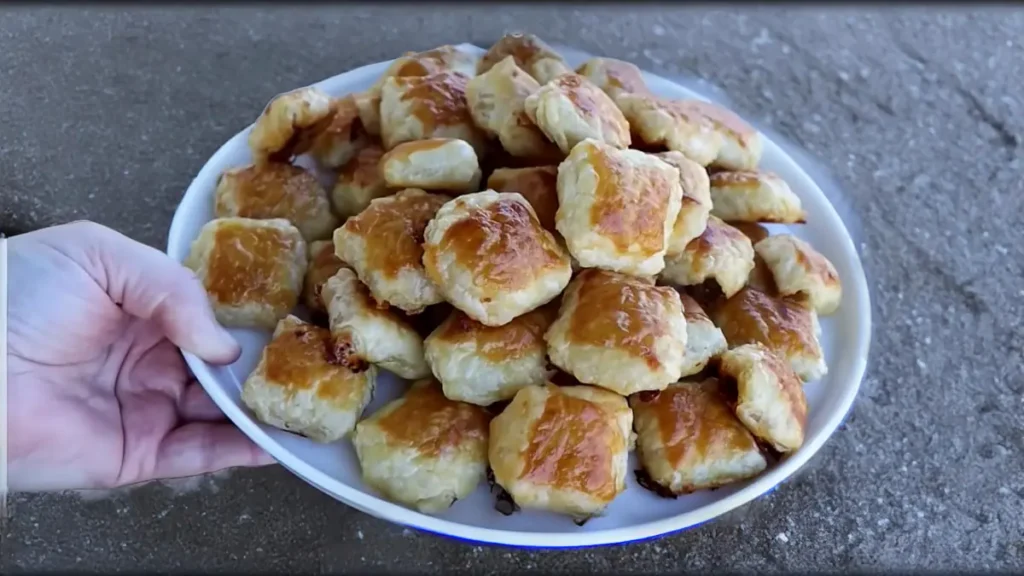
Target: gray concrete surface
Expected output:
[108,114]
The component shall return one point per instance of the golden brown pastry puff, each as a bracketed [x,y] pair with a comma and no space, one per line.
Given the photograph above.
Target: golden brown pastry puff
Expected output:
[424,450]
[617,208]
[531,54]
[721,253]
[359,181]
[689,439]
[770,397]
[411,64]
[372,331]
[563,449]
[754,197]
[538,185]
[570,109]
[289,123]
[276,190]
[486,364]
[704,340]
[787,326]
[671,124]
[696,203]
[491,258]
[433,164]
[252,270]
[613,76]
[797,268]
[741,144]
[342,138]
[619,332]
[323,264]
[302,385]
[421,107]
[497,100]
[383,245]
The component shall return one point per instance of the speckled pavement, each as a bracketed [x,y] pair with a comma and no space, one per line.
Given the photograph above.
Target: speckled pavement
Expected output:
[108,115]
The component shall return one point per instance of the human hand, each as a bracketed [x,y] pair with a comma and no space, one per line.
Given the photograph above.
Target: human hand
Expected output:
[98,393]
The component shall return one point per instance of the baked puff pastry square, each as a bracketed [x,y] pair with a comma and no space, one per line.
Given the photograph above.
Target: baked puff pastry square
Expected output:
[276,190]
[798,269]
[754,197]
[497,100]
[289,124]
[342,138]
[424,450]
[704,340]
[422,107]
[696,201]
[619,332]
[359,181]
[530,53]
[571,109]
[721,253]
[383,244]
[483,364]
[538,185]
[787,326]
[770,397]
[741,144]
[302,385]
[689,439]
[617,208]
[491,258]
[562,449]
[672,124]
[372,332]
[252,270]
[323,264]
[433,164]
[615,77]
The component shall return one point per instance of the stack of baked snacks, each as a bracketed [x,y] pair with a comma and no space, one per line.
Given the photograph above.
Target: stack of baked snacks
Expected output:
[501,223]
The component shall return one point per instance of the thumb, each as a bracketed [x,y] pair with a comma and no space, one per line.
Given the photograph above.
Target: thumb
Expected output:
[148,284]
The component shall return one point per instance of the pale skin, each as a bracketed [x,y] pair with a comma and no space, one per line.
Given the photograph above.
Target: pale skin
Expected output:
[99,395]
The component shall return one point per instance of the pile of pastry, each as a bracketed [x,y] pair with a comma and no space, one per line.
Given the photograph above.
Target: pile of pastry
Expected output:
[566,265]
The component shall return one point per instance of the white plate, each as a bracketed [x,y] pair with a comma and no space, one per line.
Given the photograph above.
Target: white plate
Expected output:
[635,514]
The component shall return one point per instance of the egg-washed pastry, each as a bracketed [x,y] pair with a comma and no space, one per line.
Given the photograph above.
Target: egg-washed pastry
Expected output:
[562,449]
[433,164]
[760,276]
[276,190]
[323,264]
[430,318]
[619,332]
[425,63]
[531,54]
[797,268]
[672,124]
[303,385]
[570,109]
[721,253]
[704,340]
[252,270]
[340,140]
[741,144]
[756,232]
[491,258]
[486,364]
[373,332]
[617,208]
[788,326]
[359,181]
[538,185]
[696,202]
[497,100]
[613,76]
[424,450]
[770,397]
[754,197]
[422,107]
[289,124]
[383,245]
[689,439]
